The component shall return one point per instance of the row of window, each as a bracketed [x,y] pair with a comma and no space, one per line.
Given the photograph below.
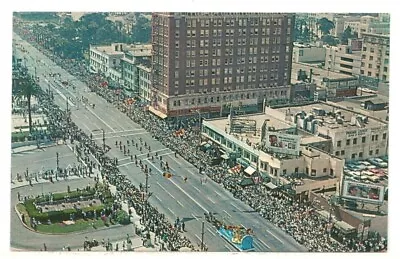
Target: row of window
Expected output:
[192,23]
[354,155]
[226,98]
[363,140]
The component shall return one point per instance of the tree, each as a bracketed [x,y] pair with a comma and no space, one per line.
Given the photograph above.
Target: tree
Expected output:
[329,39]
[346,35]
[325,25]
[26,87]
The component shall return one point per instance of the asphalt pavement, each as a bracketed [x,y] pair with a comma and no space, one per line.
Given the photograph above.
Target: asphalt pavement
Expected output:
[174,197]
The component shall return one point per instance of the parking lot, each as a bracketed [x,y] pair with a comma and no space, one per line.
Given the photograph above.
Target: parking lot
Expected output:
[370,171]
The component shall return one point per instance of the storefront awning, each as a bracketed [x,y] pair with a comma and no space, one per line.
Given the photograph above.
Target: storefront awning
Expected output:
[158,113]
[271,186]
[249,170]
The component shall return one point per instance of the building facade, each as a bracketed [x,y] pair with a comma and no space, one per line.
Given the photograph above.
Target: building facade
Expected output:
[375,56]
[103,58]
[307,53]
[203,61]
[343,59]
[144,81]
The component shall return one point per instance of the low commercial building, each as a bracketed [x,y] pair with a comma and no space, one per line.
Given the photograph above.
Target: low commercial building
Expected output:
[102,58]
[273,146]
[144,73]
[353,136]
[140,55]
[333,83]
[306,53]
[118,62]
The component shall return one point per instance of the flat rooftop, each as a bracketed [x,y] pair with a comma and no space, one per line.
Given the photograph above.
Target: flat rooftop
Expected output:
[329,121]
[223,124]
[355,105]
[318,73]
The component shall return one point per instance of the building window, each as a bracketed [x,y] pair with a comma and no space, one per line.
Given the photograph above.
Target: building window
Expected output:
[324,170]
[384,136]
[376,137]
[337,153]
[370,152]
[313,172]
[371,58]
[339,143]
[360,155]
[347,142]
[355,141]
[373,137]
[353,156]
[377,152]
[363,139]
[331,172]
[342,153]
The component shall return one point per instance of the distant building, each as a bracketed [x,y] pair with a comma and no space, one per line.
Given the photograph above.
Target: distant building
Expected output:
[306,53]
[118,62]
[333,84]
[140,55]
[343,59]
[375,56]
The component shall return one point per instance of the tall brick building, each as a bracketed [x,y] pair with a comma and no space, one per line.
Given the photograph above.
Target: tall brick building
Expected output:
[208,61]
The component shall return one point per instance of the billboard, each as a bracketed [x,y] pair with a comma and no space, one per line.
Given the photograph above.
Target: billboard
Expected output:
[283,143]
[243,126]
[364,192]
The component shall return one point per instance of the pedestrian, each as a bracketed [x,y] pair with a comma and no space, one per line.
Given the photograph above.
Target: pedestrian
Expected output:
[183,226]
[44,247]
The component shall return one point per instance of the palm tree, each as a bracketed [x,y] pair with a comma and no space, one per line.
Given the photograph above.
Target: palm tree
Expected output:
[25,86]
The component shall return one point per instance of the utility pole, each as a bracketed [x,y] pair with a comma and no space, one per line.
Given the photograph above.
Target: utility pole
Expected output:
[57,162]
[104,141]
[202,237]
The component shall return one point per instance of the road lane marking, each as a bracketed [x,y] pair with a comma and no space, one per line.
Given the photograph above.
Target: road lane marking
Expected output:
[161,187]
[235,207]
[217,193]
[127,135]
[171,211]
[157,198]
[190,197]
[197,237]
[210,200]
[179,203]
[212,233]
[196,188]
[227,213]
[122,131]
[275,236]
[264,243]
[229,248]
[195,217]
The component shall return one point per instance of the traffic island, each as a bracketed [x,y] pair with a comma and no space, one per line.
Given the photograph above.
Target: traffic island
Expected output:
[76,211]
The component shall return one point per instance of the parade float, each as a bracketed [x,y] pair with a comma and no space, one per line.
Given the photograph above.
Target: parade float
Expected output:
[238,236]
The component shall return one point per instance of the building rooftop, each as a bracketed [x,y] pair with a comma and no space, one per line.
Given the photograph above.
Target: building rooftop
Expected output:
[354,104]
[137,50]
[329,121]
[223,124]
[318,73]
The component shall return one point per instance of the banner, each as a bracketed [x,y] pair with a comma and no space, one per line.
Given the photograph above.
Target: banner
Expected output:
[283,143]
[365,192]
